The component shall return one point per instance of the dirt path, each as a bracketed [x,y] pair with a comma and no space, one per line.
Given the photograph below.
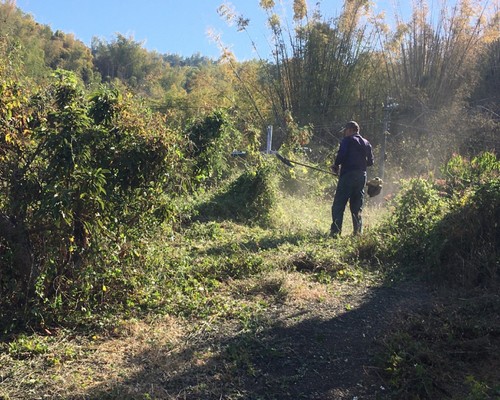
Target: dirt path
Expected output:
[315,350]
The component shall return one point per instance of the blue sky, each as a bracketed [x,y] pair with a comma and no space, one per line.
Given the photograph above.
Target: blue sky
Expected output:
[166,26]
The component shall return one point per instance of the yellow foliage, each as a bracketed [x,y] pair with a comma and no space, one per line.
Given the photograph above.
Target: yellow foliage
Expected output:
[267,4]
[299,9]
[274,21]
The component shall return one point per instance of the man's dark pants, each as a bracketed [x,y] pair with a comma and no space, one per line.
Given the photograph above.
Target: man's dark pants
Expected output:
[349,188]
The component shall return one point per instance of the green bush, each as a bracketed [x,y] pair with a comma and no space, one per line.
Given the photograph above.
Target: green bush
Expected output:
[417,209]
[82,177]
[251,198]
[460,173]
[210,141]
[467,252]
[447,228]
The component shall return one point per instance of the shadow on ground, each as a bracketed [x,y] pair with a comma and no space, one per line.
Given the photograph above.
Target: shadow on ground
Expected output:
[321,353]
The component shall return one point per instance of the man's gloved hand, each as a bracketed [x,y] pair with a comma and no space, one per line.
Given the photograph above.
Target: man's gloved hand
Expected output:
[335,169]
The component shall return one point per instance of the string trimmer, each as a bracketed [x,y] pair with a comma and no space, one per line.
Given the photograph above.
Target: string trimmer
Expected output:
[374,185]
[290,163]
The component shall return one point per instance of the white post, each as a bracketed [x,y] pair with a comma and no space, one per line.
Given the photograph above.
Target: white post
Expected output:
[269,139]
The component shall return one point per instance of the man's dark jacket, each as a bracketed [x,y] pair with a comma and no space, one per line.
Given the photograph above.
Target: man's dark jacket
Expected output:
[355,154]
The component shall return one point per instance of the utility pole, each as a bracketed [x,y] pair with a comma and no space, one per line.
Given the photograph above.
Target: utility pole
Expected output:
[384,142]
[389,106]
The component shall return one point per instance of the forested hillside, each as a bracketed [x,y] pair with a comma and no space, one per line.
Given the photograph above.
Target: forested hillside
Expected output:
[136,196]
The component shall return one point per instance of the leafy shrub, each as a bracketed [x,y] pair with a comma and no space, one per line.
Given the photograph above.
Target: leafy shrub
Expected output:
[467,239]
[468,250]
[448,228]
[251,198]
[460,173]
[81,177]
[210,140]
[417,209]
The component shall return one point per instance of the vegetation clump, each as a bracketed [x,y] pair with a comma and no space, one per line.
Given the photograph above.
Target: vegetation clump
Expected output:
[468,253]
[251,198]
[447,228]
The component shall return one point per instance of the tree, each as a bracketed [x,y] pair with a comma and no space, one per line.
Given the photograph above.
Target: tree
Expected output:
[40,50]
[318,65]
[63,51]
[21,35]
[487,91]
[432,65]
[74,172]
[125,59]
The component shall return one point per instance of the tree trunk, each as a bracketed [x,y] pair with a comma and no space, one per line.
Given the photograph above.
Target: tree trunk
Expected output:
[16,236]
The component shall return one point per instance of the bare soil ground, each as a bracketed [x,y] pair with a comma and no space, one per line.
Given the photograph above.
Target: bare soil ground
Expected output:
[318,343]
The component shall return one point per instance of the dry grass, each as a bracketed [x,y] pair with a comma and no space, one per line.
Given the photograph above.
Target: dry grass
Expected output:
[131,359]
[72,364]
[288,288]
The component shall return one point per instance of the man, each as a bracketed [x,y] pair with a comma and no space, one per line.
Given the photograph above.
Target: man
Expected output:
[354,155]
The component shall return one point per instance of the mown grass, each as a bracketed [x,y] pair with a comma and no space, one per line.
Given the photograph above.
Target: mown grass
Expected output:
[185,285]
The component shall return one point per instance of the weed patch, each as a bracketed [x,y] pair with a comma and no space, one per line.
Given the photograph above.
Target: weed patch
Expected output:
[446,231]
[251,198]
[467,253]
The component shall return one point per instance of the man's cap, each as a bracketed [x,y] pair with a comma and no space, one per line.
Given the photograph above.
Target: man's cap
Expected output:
[351,124]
